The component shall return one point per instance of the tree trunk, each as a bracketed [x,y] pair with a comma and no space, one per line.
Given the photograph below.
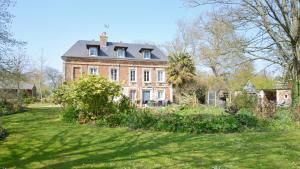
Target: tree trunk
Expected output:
[295,77]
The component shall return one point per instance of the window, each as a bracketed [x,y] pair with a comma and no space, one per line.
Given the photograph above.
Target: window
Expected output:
[121,53]
[147,54]
[160,76]
[160,95]
[114,74]
[146,76]
[132,75]
[132,95]
[93,51]
[93,70]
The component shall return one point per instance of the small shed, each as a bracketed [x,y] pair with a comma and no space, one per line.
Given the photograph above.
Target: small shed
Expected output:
[218,97]
[281,97]
[9,90]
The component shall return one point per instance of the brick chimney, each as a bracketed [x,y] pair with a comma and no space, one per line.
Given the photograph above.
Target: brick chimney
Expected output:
[103,39]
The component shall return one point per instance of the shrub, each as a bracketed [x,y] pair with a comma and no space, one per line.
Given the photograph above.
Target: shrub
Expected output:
[92,96]
[28,100]
[201,123]
[70,114]
[245,100]
[3,133]
[283,119]
[6,107]
[62,95]
[266,110]
[232,109]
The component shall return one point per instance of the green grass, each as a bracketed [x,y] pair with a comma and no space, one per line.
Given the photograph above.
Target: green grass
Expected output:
[38,139]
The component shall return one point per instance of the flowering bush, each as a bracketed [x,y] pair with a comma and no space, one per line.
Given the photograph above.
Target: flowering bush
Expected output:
[91,96]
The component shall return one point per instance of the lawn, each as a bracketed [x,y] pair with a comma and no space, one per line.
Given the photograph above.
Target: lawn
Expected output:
[38,139]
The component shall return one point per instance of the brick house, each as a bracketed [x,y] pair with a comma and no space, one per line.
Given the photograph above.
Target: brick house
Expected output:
[138,68]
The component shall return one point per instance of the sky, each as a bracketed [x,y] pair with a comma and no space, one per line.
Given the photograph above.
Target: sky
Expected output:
[53,26]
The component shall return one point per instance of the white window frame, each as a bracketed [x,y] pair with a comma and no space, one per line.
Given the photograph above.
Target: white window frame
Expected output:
[163,95]
[93,67]
[117,74]
[148,56]
[123,52]
[163,78]
[149,70]
[134,97]
[90,49]
[135,75]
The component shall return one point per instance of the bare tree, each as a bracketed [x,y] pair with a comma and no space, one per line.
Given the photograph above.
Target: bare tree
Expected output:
[54,77]
[220,47]
[214,45]
[41,79]
[18,66]
[273,29]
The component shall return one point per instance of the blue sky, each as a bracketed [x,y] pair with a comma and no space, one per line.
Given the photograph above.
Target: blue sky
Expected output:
[55,25]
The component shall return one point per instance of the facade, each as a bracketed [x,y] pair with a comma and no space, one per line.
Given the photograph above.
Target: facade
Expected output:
[138,68]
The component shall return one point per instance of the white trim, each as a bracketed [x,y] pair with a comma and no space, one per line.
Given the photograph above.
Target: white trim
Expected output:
[163,75]
[97,72]
[163,94]
[124,52]
[129,75]
[143,74]
[93,48]
[145,52]
[118,72]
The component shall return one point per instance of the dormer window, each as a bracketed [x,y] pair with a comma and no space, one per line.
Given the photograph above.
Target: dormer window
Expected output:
[121,53]
[147,54]
[93,51]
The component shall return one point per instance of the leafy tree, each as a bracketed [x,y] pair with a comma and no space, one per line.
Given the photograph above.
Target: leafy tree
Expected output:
[181,70]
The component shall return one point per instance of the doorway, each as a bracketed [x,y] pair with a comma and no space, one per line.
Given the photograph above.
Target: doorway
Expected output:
[146,96]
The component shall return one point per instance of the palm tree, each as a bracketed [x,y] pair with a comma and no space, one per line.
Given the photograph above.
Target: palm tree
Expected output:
[181,70]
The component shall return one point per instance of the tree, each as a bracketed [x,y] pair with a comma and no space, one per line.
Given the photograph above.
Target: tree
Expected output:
[181,70]
[6,42]
[17,69]
[53,77]
[274,26]
[220,46]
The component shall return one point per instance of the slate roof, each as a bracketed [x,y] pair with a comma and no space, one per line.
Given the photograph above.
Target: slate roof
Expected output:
[80,49]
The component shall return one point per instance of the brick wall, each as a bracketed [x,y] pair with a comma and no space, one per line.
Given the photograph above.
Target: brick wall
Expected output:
[124,67]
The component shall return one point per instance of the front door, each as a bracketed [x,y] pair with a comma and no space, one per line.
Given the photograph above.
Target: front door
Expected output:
[146,96]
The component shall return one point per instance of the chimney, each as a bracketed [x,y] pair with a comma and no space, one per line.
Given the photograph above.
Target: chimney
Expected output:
[103,39]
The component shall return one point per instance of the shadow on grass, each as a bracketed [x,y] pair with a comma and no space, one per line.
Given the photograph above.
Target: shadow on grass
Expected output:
[56,145]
